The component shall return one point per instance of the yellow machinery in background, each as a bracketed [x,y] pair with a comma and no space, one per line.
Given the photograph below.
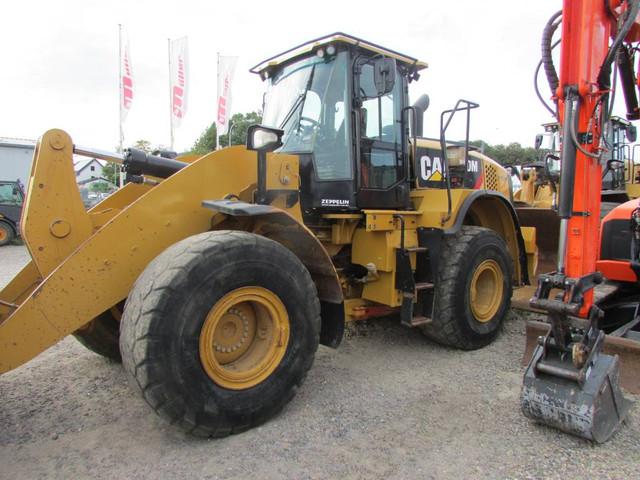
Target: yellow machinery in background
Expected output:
[215,279]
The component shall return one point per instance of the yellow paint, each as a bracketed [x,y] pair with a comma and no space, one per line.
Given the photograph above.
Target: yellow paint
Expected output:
[633,190]
[86,273]
[338,38]
[53,201]
[531,249]
[89,260]
[282,172]
[486,290]
[244,338]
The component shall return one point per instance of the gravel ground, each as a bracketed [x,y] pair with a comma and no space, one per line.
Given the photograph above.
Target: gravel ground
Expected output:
[387,403]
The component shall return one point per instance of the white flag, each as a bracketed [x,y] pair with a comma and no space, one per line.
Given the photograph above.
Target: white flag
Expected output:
[179,60]
[226,68]
[126,76]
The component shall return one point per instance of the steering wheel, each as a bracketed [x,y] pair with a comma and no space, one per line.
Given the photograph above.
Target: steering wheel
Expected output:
[311,123]
[307,126]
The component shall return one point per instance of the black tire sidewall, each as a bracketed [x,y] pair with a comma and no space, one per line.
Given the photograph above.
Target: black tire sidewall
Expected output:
[101,336]
[176,359]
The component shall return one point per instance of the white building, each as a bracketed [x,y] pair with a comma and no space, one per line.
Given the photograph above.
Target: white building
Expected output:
[86,169]
[15,158]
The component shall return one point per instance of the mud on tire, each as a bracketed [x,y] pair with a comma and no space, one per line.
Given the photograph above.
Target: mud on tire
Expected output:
[164,318]
[456,321]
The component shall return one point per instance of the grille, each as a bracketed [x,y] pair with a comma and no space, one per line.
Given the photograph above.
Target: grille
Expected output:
[490,177]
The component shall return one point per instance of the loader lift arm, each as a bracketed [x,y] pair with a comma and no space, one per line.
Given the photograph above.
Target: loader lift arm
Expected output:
[569,383]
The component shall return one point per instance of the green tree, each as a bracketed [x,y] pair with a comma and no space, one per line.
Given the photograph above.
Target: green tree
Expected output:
[206,142]
[100,187]
[111,172]
[511,154]
[240,123]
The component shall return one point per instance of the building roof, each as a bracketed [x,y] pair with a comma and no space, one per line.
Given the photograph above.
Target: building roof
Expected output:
[337,37]
[84,163]
[17,142]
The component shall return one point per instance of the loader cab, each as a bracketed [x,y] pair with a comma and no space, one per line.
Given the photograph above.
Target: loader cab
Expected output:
[341,105]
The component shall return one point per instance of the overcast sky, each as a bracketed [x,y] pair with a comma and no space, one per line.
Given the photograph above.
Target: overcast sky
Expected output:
[60,60]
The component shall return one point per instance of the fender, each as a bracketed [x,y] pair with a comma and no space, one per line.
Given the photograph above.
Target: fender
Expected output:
[473,212]
[278,225]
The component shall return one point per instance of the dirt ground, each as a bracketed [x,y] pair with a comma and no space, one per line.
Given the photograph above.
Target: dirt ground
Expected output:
[387,403]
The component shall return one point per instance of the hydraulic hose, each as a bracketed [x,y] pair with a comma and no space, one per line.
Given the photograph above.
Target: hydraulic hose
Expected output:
[604,76]
[547,47]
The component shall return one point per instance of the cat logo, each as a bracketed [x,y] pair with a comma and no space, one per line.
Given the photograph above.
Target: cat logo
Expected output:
[431,169]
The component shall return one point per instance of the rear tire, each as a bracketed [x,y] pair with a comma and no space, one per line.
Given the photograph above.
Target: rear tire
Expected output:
[176,353]
[473,289]
[102,335]
[6,234]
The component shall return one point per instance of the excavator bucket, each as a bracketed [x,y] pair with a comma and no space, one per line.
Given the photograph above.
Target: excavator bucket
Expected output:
[591,408]
[547,224]
[626,349]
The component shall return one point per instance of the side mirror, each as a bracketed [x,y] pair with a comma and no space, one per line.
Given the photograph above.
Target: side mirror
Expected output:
[632,133]
[264,139]
[538,142]
[384,75]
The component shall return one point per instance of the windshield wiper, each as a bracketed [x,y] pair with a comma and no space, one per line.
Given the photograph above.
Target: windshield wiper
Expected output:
[300,100]
[293,109]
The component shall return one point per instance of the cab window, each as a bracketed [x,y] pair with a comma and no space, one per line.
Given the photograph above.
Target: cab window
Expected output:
[381,156]
[10,194]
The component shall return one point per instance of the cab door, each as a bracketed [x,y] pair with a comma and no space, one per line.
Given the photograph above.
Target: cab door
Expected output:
[382,159]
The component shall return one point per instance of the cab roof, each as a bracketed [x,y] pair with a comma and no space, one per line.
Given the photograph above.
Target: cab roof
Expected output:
[338,37]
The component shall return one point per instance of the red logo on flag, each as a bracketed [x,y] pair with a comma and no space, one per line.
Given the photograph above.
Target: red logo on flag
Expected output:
[178,91]
[127,83]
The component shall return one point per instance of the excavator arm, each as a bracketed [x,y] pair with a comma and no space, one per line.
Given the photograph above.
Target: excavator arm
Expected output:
[570,383]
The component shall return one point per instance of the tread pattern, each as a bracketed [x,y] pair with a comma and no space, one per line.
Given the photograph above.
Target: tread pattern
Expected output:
[152,296]
[446,327]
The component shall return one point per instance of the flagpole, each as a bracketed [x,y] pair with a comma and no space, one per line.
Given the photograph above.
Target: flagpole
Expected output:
[170,96]
[121,140]
[218,102]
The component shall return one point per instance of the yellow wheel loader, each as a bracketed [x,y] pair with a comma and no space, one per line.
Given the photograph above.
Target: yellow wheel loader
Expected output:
[215,278]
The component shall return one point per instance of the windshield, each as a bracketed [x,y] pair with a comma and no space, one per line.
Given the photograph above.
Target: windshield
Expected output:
[308,100]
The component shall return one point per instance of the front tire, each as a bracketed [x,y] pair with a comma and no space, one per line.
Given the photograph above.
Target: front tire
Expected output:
[473,289]
[220,330]
[102,334]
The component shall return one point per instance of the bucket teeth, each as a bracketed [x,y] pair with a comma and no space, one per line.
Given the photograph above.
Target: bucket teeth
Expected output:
[593,411]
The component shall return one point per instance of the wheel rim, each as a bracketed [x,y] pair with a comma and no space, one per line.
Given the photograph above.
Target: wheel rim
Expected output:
[3,234]
[486,290]
[244,337]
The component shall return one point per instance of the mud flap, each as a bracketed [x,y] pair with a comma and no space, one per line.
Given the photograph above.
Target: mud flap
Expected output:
[592,409]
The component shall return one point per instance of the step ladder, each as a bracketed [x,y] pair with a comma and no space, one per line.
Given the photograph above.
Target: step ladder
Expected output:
[406,282]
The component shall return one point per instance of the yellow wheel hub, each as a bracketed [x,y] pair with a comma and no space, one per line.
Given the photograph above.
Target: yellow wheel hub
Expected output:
[3,234]
[486,288]
[244,337]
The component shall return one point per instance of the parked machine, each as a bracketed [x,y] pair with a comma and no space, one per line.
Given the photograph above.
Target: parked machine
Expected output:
[215,279]
[11,201]
[572,379]
[536,200]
